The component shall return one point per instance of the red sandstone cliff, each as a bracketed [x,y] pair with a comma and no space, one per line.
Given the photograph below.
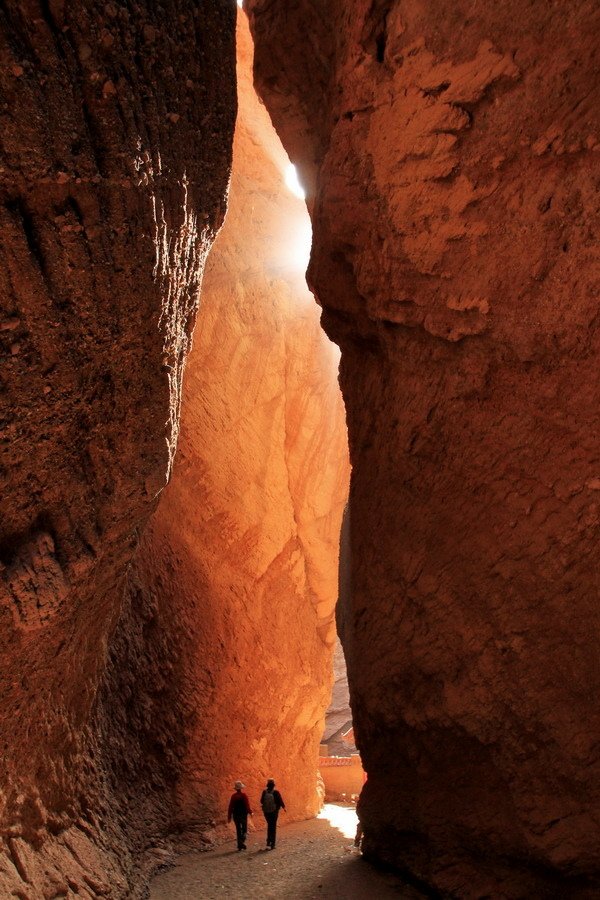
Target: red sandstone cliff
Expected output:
[237,575]
[454,149]
[113,172]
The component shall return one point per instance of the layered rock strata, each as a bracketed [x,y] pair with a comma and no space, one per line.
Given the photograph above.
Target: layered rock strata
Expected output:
[453,152]
[116,124]
[238,570]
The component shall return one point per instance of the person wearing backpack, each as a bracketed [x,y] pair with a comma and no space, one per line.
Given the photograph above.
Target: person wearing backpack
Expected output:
[239,810]
[271,802]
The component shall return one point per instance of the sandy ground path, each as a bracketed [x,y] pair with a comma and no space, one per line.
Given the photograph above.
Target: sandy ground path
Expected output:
[314,859]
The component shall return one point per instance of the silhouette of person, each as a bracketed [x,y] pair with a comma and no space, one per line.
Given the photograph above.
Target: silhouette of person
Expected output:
[239,810]
[271,802]
[359,835]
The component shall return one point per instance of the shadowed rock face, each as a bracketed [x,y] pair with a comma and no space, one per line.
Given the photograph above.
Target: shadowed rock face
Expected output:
[115,132]
[453,151]
[232,593]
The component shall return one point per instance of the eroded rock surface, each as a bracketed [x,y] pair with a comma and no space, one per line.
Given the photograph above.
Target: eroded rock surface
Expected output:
[116,122]
[453,152]
[235,584]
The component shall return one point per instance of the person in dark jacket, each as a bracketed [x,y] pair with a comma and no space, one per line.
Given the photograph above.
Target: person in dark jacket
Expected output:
[271,802]
[239,810]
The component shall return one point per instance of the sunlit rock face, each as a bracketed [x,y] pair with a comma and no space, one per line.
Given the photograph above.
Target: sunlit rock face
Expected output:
[453,149]
[236,580]
[113,176]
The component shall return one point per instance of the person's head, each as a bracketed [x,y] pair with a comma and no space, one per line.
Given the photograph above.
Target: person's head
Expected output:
[270,784]
[238,786]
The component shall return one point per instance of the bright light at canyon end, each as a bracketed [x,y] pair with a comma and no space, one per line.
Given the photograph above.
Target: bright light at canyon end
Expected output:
[295,231]
[293,182]
[343,818]
[299,250]
[299,247]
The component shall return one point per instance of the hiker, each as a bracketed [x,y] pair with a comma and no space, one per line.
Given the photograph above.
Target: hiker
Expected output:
[359,835]
[239,810]
[271,802]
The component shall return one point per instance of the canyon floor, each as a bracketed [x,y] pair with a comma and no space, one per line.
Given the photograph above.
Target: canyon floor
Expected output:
[313,859]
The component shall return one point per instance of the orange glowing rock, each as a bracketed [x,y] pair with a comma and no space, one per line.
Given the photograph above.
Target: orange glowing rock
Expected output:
[241,556]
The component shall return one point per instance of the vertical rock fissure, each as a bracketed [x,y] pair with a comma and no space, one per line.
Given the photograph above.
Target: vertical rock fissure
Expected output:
[227,643]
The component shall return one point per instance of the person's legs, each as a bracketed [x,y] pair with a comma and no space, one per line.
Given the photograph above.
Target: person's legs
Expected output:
[241,827]
[271,828]
[269,818]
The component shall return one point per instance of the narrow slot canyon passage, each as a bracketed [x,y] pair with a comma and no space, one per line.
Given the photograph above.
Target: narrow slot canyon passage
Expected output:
[229,483]
[242,552]
[317,859]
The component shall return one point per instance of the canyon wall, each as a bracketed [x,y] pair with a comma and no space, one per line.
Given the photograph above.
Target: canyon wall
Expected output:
[237,574]
[452,151]
[113,177]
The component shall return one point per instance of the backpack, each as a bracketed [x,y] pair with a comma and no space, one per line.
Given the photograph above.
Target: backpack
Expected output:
[269,803]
